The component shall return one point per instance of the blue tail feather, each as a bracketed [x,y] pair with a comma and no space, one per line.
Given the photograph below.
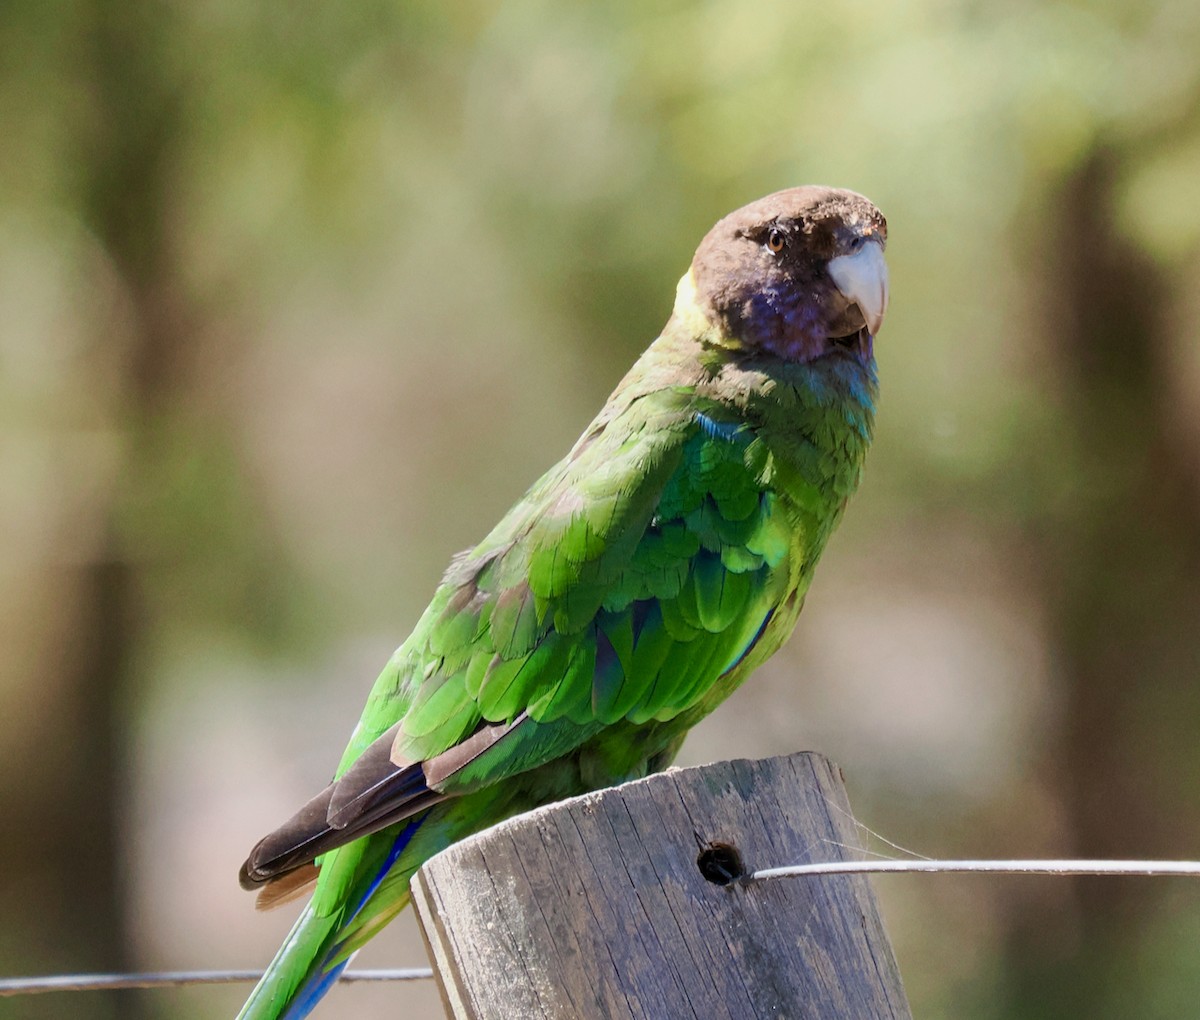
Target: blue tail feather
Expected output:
[312,991]
[321,974]
[402,840]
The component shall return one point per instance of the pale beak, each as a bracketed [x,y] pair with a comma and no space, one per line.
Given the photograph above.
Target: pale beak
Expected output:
[863,279]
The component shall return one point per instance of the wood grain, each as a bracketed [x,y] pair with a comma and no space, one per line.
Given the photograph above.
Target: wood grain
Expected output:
[596,907]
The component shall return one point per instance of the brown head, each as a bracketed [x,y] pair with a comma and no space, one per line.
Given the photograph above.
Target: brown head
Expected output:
[799,274]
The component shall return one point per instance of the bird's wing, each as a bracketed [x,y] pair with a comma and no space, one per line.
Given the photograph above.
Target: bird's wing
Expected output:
[629,578]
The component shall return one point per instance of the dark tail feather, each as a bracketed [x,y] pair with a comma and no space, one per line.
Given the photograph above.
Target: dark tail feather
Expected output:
[309,833]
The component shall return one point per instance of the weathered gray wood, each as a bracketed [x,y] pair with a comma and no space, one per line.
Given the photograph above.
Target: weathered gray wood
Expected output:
[595,907]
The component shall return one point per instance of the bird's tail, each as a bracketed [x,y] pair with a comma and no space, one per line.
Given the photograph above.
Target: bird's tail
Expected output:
[293,984]
[320,945]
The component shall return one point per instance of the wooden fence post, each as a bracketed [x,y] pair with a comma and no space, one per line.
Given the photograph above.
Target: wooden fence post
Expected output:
[597,907]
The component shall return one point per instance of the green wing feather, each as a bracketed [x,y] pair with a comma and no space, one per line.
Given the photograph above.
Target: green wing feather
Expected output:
[651,547]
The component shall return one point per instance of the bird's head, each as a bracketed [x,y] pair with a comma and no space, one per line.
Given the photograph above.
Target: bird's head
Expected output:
[799,274]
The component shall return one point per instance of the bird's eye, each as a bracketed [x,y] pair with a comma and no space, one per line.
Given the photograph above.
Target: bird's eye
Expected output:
[857,243]
[776,239]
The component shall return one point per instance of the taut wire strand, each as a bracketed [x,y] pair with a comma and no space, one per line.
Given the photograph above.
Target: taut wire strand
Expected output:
[176,979]
[1046,867]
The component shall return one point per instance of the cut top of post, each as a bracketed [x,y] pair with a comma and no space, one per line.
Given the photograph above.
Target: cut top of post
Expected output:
[628,903]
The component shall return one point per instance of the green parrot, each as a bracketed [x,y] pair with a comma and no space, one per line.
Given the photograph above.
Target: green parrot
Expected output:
[628,592]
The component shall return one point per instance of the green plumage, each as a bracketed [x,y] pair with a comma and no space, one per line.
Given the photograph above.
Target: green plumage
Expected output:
[630,590]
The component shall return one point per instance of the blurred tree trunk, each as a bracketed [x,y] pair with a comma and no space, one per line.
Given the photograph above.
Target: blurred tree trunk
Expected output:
[1123,584]
[74,910]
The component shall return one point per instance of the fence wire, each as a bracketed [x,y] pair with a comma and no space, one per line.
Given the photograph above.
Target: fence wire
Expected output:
[178,979]
[174,979]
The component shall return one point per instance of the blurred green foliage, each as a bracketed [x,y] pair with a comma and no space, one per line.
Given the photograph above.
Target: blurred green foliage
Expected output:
[295,299]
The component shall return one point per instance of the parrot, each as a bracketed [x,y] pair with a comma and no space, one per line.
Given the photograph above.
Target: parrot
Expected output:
[628,592]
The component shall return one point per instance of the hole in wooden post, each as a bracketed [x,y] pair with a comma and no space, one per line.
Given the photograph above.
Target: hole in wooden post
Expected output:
[720,863]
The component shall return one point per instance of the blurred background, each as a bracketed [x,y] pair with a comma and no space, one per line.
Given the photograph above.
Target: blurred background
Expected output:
[296,299]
